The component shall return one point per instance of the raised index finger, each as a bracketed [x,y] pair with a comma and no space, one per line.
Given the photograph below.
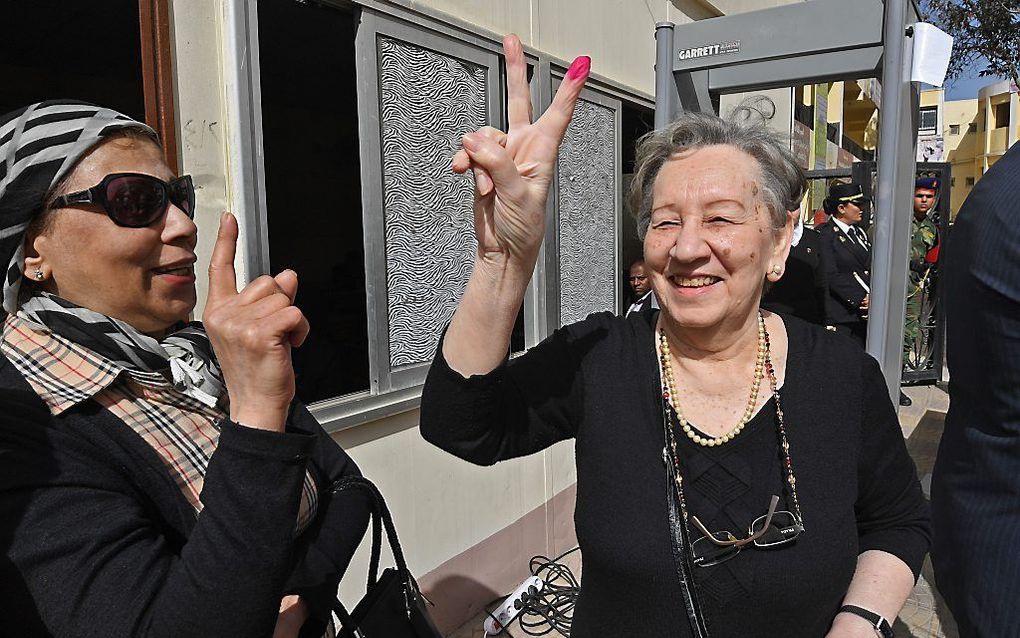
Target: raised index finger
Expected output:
[222,279]
[518,92]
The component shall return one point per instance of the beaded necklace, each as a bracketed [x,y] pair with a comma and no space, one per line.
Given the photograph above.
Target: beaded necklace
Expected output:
[672,396]
[784,443]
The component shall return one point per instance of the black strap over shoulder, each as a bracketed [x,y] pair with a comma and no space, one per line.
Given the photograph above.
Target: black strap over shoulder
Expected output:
[680,542]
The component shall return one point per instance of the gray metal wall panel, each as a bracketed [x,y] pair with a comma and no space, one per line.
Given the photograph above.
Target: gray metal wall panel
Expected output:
[427,100]
[587,196]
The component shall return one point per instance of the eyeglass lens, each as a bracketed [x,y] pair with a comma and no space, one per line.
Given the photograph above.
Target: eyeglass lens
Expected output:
[784,528]
[706,553]
[137,200]
[182,194]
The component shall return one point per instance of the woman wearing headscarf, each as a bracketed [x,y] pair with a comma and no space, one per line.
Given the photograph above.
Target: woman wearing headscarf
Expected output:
[718,492]
[156,476]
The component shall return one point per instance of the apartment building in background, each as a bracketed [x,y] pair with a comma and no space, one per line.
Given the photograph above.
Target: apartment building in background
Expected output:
[971,134]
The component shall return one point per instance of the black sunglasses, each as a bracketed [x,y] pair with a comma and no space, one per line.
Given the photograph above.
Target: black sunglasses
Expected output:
[135,200]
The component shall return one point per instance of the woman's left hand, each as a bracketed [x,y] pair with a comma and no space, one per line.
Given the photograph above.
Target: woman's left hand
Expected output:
[293,614]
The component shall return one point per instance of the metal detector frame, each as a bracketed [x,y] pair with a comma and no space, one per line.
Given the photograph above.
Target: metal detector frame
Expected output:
[807,43]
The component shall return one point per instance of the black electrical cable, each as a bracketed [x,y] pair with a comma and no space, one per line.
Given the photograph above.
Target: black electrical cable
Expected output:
[551,608]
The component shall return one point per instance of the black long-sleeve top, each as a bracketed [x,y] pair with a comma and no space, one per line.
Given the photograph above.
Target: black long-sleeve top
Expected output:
[597,381]
[803,290]
[96,539]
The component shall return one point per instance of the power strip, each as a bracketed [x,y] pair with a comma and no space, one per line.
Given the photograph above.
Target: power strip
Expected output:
[503,615]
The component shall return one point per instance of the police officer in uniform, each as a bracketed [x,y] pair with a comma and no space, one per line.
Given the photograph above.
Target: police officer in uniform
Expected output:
[923,239]
[848,259]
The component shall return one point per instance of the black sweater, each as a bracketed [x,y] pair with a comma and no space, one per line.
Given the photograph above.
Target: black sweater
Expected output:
[98,540]
[597,381]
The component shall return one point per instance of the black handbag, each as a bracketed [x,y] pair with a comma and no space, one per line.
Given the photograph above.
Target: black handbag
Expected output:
[393,606]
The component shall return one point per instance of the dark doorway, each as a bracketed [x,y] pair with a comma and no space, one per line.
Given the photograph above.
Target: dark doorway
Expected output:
[636,120]
[313,187]
[114,53]
[87,51]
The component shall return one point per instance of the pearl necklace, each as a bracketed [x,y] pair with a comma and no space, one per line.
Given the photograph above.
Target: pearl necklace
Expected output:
[670,394]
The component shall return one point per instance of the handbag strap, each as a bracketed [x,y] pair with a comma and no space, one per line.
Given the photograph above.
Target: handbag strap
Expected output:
[682,560]
[346,620]
[373,563]
[380,511]
[681,543]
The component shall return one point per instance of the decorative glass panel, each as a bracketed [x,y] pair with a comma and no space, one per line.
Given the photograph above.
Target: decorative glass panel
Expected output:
[427,101]
[587,213]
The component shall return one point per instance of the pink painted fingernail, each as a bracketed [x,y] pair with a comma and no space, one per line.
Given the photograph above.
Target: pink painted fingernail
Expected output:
[579,69]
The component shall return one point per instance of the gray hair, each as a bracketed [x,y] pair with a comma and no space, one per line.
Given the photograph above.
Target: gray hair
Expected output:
[783,182]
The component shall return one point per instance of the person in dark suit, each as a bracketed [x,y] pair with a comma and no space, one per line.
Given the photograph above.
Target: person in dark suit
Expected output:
[848,259]
[803,290]
[644,298]
[976,480]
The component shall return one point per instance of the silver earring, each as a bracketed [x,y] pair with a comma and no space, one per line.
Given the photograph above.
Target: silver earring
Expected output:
[38,275]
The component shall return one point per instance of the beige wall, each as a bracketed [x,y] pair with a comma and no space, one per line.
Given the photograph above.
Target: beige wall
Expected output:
[930,98]
[569,28]
[961,149]
[202,123]
[442,505]
[972,153]
[619,36]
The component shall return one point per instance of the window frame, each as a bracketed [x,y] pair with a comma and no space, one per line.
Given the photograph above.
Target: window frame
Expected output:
[392,392]
[927,130]
[373,24]
[1002,108]
[158,75]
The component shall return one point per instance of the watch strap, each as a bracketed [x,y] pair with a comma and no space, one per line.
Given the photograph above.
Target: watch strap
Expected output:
[879,622]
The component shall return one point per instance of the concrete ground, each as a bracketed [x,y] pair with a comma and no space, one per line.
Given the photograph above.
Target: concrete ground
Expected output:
[925,614]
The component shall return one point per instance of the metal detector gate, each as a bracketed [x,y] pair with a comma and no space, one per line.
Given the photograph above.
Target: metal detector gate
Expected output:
[796,44]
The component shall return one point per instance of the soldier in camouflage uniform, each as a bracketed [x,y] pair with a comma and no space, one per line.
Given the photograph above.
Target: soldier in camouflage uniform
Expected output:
[923,238]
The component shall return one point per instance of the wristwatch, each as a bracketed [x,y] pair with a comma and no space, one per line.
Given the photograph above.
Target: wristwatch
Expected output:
[880,624]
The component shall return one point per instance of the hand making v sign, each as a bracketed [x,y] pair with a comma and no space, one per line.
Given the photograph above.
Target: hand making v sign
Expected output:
[513,172]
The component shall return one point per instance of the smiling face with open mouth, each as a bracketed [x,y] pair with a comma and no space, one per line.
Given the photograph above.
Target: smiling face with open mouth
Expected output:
[710,243]
[143,276]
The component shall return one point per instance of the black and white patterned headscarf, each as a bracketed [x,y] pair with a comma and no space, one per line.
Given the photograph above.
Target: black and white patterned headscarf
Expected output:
[38,146]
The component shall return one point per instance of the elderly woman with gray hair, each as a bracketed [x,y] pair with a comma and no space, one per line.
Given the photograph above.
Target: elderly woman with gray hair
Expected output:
[721,490]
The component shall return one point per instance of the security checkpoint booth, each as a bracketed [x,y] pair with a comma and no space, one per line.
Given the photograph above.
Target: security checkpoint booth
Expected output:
[795,45]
